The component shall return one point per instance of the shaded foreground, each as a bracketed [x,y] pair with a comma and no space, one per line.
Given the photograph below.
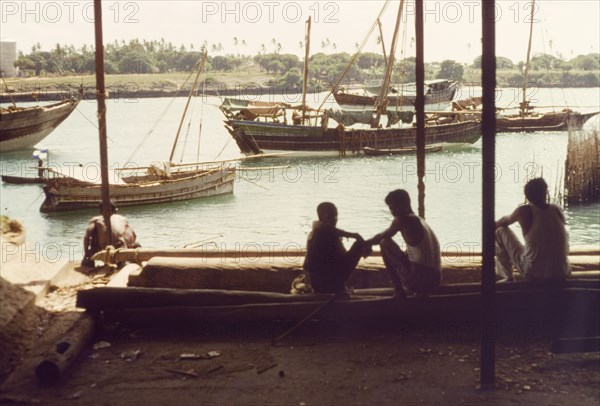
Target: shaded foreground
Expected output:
[321,363]
[365,361]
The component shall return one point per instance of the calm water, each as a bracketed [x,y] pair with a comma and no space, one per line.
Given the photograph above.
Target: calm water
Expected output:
[276,208]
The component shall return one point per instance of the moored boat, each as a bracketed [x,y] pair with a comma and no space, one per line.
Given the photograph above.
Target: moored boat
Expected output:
[258,137]
[65,194]
[527,120]
[157,183]
[436,91]
[24,127]
[565,120]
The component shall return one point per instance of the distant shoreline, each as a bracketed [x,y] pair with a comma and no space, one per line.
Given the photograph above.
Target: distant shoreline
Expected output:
[47,90]
[130,94]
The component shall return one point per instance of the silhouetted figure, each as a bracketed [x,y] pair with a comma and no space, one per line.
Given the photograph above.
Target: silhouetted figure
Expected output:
[545,253]
[123,235]
[418,269]
[327,262]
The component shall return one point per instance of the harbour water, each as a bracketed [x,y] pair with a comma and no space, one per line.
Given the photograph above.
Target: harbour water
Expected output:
[274,208]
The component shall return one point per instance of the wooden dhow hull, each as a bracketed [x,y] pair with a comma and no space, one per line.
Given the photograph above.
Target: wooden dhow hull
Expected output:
[256,137]
[66,194]
[22,128]
[439,96]
[549,308]
[552,121]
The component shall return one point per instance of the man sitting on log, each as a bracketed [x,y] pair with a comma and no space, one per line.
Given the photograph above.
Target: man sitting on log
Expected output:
[327,262]
[545,253]
[123,235]
[418,270]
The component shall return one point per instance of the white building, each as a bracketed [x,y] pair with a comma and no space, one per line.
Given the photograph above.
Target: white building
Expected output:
[8,55]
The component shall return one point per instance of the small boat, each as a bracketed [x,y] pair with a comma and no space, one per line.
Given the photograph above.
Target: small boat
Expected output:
[399,151]
[24,127]
[527,120]
[436,91]
[157,183]
[565,120]
[241,109]
[23,180]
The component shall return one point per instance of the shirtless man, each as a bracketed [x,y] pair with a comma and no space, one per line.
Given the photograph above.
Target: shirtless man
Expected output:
[545,253]
[327,262]
[418,269]
[94,239]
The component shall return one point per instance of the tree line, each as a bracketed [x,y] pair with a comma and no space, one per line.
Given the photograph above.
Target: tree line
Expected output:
[147,57]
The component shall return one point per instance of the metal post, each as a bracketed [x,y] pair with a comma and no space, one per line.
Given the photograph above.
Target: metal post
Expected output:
[420,104]
[488,277]
[101,97]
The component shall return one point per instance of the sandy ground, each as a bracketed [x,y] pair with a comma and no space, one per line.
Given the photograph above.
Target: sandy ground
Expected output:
[322,363]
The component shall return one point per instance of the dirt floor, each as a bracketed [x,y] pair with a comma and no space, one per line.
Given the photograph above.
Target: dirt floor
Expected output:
[322,363]
[342,362]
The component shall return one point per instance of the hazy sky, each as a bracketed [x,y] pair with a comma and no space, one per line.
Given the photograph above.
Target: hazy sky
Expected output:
[452,28]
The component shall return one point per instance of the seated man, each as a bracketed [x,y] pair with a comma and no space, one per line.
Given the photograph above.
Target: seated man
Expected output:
[123,235]
[545,253]
[327,262]
[418,269]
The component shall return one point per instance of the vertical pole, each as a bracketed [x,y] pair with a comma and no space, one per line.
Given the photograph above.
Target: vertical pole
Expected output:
[488,277]
[420,104]
[200,67]
[382,101]
[527,60]
[305,73]
[101,98]
[382,41]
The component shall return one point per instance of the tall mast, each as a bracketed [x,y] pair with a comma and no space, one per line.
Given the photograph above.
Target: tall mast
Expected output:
[200,66]
[336,85]
[524,104]
[305,80]
[101,97]
[382,101]
[382,42]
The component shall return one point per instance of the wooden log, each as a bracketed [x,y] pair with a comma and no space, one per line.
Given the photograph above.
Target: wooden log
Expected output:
[116,298]
[66,350]
[135,297]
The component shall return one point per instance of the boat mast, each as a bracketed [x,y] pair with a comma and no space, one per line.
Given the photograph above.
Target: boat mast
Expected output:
[306,54]
[526,73]
[382,42]
[336,85]
[382,101]
[101,97]
[200,66]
